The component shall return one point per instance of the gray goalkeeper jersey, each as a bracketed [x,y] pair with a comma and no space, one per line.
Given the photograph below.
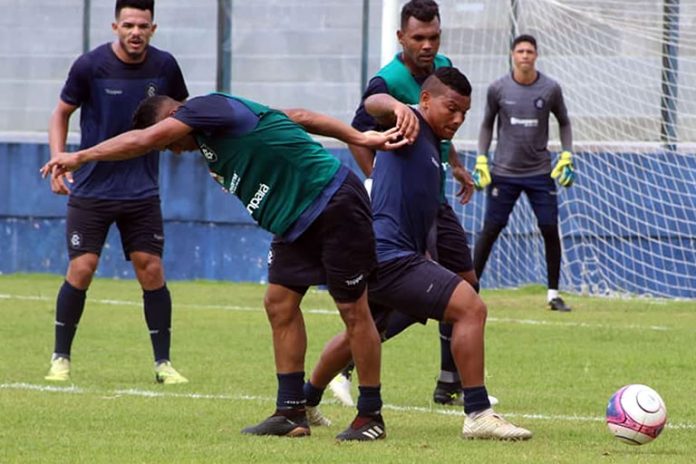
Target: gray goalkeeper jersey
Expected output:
[523,125]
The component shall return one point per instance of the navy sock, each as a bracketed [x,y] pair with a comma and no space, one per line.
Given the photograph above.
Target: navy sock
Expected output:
[70,304]
[369,401]
[476,399]
[158,316]
[290,391]
[312,393]
[448,369]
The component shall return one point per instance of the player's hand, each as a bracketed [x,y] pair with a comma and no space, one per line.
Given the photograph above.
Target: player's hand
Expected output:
[388,140]
[59,183]
[481,175]
[60,164]
[466,184]
[407,122]
[564,171]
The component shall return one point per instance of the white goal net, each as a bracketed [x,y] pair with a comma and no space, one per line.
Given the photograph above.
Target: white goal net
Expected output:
[628,72]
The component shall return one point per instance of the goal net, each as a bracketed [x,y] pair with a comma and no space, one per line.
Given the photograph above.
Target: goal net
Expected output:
[628,73]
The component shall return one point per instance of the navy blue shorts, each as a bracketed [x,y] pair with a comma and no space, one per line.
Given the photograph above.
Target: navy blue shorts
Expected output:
[452,246]
[504,192]
[337,249]
[139,223]
[413,285]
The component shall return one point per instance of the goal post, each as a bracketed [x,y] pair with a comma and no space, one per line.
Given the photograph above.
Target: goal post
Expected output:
[628,72]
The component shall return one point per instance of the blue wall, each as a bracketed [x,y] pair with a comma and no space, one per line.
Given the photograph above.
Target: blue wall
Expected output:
[209,235]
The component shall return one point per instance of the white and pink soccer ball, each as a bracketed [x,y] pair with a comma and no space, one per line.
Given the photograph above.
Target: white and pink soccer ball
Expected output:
[636,414]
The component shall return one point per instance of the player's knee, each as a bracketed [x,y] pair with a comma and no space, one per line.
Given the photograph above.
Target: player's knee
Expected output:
[466,305]
[151,278]
[353,313]
[81,270]
[348,312]
[280,311]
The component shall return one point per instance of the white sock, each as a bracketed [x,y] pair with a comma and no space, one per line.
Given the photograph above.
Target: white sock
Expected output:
[551,294]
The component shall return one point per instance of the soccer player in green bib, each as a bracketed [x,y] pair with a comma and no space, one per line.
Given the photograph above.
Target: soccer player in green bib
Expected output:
[317,209]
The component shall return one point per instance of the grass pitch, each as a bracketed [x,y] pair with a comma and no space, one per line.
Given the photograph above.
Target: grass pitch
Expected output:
[553,374]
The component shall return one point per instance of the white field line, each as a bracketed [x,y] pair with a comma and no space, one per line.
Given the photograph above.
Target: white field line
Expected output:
[206,396]
[503,320]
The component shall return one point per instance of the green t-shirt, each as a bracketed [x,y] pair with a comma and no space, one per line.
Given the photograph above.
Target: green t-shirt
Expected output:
[276,169]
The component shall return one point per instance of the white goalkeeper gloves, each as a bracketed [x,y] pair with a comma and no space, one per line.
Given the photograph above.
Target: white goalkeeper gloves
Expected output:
[481,175]
[564,171]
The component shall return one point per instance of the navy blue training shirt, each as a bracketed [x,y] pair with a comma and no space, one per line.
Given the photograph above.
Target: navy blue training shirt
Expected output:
[108,91]
[406,195]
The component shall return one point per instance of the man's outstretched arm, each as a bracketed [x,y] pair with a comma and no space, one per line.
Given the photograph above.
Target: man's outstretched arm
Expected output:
[128,145]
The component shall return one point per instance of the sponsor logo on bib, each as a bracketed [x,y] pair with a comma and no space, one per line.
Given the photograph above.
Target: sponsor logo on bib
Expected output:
[258,197]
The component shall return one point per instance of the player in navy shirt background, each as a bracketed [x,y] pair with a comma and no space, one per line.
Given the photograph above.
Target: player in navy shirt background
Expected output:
[107,84]
[405,203]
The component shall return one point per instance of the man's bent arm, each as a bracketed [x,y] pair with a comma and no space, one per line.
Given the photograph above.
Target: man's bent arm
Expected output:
[388,112]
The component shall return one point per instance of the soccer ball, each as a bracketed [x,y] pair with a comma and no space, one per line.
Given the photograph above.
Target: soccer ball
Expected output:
[636,414]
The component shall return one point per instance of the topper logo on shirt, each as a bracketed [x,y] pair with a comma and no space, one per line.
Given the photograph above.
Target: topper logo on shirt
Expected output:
[234,183]
[209,155]
[151,89]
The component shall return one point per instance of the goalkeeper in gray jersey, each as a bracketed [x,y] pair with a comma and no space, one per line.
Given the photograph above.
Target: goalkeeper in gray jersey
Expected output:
[522,102]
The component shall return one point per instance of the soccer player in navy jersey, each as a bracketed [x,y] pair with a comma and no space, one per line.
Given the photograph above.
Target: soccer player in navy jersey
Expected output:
[107,84]
[522,102]
[405,203]
[419,36]
[317,209]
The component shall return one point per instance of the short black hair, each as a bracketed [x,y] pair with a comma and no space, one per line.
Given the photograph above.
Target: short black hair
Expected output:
[148,110]
[452,78]
[523,38]
[422,10]
[146,5]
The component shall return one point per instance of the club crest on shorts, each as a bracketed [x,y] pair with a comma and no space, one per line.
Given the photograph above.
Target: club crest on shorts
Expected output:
[75,240]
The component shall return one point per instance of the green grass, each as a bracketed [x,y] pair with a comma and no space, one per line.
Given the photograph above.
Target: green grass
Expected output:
[552,372]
